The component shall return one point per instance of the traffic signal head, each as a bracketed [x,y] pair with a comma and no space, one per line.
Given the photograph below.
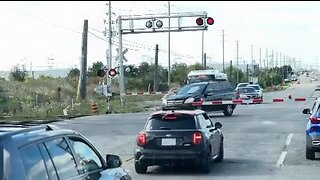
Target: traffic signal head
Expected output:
[112,72]
[199,21]
[101,73]
[159,23]
[149,24]
[210,20]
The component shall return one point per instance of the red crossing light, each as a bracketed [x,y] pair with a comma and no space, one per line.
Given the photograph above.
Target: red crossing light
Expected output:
[199,21]
[112,72]
[210,20]
[101,73]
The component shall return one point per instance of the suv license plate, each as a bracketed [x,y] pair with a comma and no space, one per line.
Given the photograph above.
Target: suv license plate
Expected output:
[168,142]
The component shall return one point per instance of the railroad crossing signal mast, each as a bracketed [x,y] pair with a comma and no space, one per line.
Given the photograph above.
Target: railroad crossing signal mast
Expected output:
[157,23]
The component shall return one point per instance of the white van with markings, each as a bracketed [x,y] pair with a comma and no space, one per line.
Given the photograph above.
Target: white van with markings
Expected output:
[205,75]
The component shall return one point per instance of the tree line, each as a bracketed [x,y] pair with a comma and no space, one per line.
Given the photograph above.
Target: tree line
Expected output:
[141,77]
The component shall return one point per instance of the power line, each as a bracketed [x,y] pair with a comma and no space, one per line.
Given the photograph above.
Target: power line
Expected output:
[40,19]
[96,30]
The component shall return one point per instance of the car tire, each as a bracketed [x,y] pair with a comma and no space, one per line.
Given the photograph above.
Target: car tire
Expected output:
[207,162]
[221,153]
[310,154]
[228,111]
[140,168]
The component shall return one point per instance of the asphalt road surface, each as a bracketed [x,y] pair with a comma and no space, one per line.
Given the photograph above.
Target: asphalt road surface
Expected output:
[263,141]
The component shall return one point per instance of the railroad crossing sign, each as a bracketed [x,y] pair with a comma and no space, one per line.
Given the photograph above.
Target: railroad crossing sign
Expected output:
[124,58]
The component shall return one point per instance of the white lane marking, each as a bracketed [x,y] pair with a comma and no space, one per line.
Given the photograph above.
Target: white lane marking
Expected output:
[289,138]
[284,153]
[281,159]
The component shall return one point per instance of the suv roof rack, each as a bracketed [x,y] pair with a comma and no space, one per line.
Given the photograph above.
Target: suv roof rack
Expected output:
[29,128]
[181,108]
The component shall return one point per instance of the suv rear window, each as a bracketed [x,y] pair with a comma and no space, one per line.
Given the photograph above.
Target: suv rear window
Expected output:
[191,89]
[181,122]
[247,90]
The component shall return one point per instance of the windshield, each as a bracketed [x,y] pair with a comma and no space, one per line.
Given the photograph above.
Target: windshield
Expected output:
[182,122]
[247,90]
[256,87]
[242,85]
[192,89]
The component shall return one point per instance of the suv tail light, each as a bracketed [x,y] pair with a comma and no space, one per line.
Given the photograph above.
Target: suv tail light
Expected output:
[198,103]
[314,120]
[141,139]
[170,117]
[197,138]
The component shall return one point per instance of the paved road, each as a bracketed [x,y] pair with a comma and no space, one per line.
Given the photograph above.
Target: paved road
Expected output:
[265,141]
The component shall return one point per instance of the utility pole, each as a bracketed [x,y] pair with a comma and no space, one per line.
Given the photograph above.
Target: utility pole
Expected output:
[237,61]
[169,64]
[247,72]
[277,59]
[82,88]
[156,76]
[258,72]
[230,76]
[204,61]
[272,64]
[109,63]
[252,61]
[267,58]
[280,59]
[252,55]
[260,63]
[202,49]
[223,49]
[121,77]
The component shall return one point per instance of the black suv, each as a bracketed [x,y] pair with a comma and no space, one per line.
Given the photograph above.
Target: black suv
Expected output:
[179,137]
[48,152]
[202,94]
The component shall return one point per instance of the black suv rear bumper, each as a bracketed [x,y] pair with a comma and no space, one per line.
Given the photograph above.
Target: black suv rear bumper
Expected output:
[169,157]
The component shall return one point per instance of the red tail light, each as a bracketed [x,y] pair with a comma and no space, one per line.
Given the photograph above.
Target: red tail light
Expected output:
[141,139]
[198,103]
[170,117]
[314,120]
[197,138]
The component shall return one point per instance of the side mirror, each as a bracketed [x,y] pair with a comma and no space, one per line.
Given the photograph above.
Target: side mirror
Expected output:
[218,125]
[113,161]
[306,111]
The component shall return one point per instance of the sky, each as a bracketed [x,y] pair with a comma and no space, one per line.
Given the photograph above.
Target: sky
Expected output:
[47,34]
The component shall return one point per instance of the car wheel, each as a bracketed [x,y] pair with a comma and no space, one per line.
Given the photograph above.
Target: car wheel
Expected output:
[221,153]
[310,154]
[228,111]
[206,166]
[140,168]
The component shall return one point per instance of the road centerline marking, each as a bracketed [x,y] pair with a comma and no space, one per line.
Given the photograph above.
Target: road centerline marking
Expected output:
[284,152]
[281,159]
[289,138]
